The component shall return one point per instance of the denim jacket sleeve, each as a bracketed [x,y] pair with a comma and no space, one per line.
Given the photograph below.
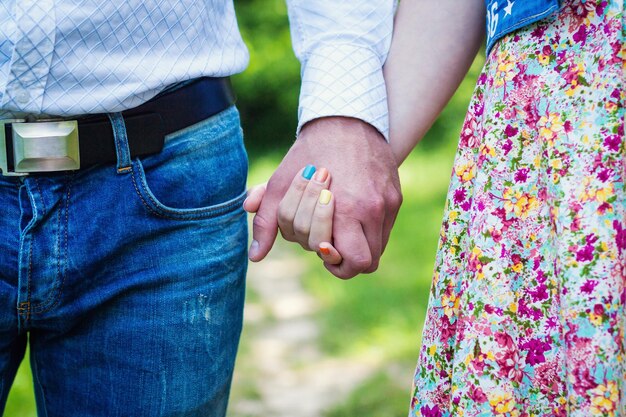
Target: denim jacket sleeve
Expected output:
[505,16]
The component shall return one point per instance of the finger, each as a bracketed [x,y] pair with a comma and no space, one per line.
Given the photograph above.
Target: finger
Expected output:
[255,196]
[265,222]
[394,201]
[329,254]
[390,219]
[302,222]
[350,241]
[289,204]
[373,231]
[322,220]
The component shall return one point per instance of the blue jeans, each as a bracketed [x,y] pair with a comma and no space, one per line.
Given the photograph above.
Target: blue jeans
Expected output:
[128,279]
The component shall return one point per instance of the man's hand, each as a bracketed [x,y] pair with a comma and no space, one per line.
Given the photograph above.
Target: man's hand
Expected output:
[365,186]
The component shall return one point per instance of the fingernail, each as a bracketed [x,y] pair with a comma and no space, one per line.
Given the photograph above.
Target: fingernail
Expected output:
[325,197]
[308,172]
[254,249]
[324,250]
[321,175]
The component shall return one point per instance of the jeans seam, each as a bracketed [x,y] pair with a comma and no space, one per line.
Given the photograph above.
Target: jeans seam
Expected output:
[43,203]
[37,381]
[25,306]
[198,215]
[54,298]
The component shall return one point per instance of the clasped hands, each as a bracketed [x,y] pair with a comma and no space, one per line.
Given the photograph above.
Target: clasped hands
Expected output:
[336,192]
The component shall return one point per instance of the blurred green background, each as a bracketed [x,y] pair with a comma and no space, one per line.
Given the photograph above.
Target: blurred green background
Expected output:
[376,316]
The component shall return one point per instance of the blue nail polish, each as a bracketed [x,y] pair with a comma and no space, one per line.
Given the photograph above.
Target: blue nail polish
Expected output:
[308,172]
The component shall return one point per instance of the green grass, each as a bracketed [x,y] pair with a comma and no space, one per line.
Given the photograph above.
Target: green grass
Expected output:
[378,396]
[21,402]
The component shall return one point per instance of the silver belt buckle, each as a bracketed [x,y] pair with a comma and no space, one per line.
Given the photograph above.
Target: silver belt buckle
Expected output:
[45,146]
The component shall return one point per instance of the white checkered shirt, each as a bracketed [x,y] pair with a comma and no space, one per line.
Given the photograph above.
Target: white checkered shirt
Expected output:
[73,57]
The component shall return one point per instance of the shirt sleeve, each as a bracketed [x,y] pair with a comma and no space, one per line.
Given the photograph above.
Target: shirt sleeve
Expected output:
[342,46]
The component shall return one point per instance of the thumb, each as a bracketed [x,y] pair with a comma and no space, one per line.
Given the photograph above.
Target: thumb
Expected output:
[254,199]
[264,230]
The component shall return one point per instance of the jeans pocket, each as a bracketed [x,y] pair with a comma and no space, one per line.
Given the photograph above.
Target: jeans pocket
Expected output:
[201,172]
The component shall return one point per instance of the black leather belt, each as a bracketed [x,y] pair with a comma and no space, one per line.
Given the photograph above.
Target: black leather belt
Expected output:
[146,127]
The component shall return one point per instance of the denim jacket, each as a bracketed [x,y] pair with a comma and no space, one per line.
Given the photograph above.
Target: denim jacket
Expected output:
[505,16]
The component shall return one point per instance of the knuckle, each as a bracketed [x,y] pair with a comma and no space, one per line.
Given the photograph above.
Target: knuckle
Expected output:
[347,207]
[376,205]
[260,222]
[305,246]
[300,186]
[395,199]
[360,263]
[372,268]
[312,191]
[345,274]
[301,228]
[284,216]
[313,243]
[287,236]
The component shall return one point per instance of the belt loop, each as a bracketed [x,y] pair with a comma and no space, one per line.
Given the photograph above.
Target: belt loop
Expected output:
[122,150]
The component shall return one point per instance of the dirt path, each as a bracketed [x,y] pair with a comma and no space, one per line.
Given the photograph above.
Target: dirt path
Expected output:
[281,371]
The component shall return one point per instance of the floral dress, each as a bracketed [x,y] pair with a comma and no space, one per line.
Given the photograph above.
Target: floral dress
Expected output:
[527,309]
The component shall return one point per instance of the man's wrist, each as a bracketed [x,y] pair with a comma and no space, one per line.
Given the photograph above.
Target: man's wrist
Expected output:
[340,126]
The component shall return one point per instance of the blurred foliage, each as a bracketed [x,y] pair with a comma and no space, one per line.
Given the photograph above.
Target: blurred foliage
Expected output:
[379,396]
[268,91]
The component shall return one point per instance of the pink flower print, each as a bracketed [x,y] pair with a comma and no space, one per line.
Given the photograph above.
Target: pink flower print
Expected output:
[509,363]
[600,7]
[604,174]
[598,309]
[552,323]
[469,133]
[586,253]
[536,349]
[532,116]
[568,126]
[521,175]
[525,311]
[589,286]
[459,195]
[489,309]
[583,380]
[541,277]
[504,340]
[613,143]
[507,145]
[540,293]
[539,32]
[583,8]
[447,329]
[547,378]
[478,365]
[496,235]
[581,35]
[620,235]
[603,207]
[433,411]
[616,95]
[510,131]
[477,395]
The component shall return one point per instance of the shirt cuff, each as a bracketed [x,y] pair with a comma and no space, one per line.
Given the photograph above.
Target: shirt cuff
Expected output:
[344,80]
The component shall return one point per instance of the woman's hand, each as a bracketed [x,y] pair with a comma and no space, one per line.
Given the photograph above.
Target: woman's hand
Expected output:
[305,214]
